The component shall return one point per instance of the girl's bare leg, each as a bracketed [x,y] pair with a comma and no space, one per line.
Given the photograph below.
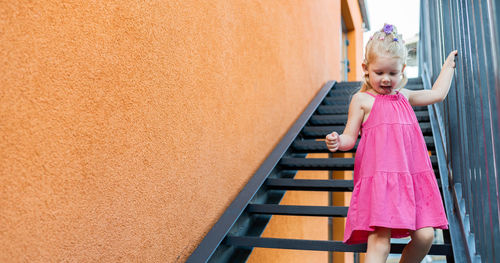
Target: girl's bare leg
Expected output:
[379,245]
[419,246]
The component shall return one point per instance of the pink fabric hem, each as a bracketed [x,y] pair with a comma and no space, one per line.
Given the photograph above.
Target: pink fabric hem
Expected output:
[400,201]
[360,236]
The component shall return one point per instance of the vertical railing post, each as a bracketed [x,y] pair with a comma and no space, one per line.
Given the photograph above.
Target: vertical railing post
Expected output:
[468,118]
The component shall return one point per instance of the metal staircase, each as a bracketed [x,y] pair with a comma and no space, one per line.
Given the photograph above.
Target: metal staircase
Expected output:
[239,229]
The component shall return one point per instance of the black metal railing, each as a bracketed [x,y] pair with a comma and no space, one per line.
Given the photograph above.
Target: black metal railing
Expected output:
[466,126]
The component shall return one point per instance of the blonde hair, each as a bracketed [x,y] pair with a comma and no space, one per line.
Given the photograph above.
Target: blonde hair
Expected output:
[385,42]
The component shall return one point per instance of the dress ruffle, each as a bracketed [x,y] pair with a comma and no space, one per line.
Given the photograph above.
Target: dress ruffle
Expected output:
[394,200]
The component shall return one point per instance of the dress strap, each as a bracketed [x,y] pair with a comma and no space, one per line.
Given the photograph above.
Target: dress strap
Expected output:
[370,94]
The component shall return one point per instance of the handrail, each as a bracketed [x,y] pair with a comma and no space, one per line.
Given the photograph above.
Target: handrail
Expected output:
[221,228]
[467,121]
[457,228]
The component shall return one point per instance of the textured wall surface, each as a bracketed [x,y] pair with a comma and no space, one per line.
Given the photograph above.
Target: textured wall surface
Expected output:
[127,127]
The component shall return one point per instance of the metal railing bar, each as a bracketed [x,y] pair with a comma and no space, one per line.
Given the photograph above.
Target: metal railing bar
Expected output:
[470,129]
[460,94]
[464,223]
[487,233]
[494,81]
[459,251]
[493,10]
[473,111]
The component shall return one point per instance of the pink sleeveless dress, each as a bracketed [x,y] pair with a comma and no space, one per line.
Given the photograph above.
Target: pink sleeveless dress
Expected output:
[394,183]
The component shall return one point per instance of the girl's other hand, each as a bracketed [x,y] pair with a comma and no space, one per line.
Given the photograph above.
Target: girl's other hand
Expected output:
[333,141]
[450,60]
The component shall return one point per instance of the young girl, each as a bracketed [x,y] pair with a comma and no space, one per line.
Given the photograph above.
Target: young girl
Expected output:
[395,190]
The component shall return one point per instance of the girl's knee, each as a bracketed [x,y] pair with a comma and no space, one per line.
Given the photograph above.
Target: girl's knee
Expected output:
[424,235]
[380,239]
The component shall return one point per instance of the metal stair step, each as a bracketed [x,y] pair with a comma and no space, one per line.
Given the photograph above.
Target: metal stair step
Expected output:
[313,185]
[310,185]
[332,109]
[350,84]
[313,146]
[298,210]
[338,164]
[320,245]
[341,106]
[347,84]
[339,101]
[355,86]
[342,92]
[331,119]
[320,132]
[341,119]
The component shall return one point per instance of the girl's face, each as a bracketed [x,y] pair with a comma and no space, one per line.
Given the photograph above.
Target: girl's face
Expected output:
[384,74]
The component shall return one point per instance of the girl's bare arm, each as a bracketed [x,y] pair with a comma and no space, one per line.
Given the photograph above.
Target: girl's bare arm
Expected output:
[440,88]
[348,138]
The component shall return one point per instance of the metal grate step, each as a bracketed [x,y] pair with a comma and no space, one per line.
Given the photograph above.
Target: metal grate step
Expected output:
[320,132]
[336,164]
[310,185]
[314,146]
[341,119]
[412,83]
[355,87]
[341,106]
[320,245]
[298,210]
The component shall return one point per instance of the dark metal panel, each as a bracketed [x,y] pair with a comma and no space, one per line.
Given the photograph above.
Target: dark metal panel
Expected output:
[338,164]
[468,118]
[313,146]
[318,245]
[456,234]
[491,10]
[298,210]
[483,132]
[467,127]
[310,185]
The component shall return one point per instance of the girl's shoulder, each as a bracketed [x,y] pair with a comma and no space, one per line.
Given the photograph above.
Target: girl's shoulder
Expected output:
[362,100]
[363,96]
[406,93]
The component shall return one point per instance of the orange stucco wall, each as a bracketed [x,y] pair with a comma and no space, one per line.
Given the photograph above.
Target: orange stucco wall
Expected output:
[129,126]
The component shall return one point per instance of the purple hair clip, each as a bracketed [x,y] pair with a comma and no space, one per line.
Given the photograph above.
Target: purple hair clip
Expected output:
[388,28]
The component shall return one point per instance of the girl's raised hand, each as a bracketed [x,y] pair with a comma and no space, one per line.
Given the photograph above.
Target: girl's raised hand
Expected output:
[333,141]
[450,60]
